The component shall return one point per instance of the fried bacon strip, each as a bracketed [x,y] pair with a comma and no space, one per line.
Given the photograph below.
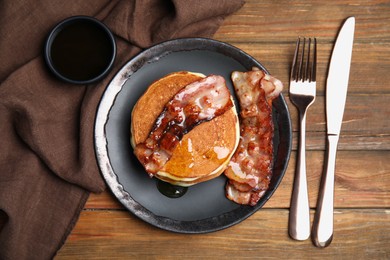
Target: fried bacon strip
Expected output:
[198,102]
[250,169]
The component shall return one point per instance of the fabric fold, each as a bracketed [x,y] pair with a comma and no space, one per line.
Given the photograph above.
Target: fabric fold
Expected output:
[146,23]
[47,159]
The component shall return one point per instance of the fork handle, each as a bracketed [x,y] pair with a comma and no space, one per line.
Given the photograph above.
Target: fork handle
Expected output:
[299,218]
[322,232]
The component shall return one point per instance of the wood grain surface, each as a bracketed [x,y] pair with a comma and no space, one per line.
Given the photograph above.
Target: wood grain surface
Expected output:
[267,30]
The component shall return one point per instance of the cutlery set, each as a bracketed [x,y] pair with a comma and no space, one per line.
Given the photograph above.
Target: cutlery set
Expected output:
[302,94]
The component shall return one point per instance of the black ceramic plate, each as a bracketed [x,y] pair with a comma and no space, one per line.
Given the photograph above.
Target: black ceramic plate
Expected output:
[204,208]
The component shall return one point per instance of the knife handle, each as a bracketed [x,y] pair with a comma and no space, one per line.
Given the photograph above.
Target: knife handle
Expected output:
[322,232]
[299,217]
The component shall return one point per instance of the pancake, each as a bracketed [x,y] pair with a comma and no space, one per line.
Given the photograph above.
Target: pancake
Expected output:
[204,152]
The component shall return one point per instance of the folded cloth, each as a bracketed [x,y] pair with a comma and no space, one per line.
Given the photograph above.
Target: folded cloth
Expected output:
[47,159]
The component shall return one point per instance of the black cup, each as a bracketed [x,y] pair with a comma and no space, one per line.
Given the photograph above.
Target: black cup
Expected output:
[80,50]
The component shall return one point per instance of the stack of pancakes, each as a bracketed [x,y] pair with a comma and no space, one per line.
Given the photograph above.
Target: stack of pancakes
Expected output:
[204,152]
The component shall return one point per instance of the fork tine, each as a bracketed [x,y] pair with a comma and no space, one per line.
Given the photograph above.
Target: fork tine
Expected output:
[314,65]
[307,76]
[300,69]
[294,75]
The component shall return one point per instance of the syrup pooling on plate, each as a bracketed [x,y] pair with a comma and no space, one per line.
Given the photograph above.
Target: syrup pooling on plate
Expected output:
[169,190]
[250,169]
[198,102]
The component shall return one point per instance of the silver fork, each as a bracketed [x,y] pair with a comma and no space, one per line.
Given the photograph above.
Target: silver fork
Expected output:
[302,94]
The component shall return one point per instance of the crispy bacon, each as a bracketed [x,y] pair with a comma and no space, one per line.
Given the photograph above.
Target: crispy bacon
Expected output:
[198,102]
[250,169]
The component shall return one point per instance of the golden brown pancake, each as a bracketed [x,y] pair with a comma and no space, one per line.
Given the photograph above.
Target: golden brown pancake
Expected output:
[204,152]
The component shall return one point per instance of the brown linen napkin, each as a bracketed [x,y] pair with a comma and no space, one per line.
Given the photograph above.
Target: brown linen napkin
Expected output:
[47,159]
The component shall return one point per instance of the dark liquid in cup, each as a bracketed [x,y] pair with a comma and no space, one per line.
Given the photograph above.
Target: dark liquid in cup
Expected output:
[81,51]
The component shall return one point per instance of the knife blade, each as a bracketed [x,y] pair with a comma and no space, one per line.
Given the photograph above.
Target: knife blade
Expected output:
[338,76]
[336,94]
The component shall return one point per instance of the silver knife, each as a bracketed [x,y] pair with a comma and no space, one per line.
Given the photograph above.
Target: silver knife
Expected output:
[336,94]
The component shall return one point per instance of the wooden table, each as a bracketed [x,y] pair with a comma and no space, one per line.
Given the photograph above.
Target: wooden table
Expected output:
[268,30]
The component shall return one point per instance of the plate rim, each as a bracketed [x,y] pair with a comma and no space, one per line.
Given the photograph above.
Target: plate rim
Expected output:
[106,102]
